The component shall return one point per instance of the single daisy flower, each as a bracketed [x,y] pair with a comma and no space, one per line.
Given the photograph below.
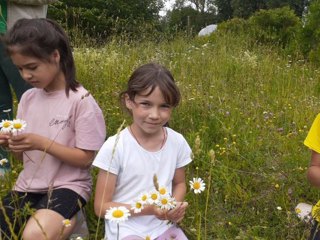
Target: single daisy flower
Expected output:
[154,197]
[117,214]
[137,206]
[197,185]
[166,202]
[18,125]
[6,126]
[66,222]
[143,198]
[163,191]
[3,161]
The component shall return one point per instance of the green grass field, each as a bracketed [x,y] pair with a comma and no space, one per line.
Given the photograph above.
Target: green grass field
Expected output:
[252,105]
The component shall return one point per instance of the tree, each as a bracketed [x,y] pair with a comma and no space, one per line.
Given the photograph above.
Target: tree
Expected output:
[102,18]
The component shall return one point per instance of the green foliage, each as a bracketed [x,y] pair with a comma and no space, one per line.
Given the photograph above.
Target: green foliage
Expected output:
[102,19]
[276,26]
[310,34]
[189,19]
[234,25]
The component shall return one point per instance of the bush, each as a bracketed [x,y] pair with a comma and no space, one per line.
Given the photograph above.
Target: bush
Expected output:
[276,26]
[310,34]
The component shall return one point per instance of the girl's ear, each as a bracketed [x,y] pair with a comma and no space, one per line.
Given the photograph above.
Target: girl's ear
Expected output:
[56,56]
[128,101]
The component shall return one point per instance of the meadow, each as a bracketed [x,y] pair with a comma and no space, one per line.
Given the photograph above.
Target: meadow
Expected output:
[246,110]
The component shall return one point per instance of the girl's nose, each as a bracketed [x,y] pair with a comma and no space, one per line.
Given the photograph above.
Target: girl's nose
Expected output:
[26,74]
[154,113]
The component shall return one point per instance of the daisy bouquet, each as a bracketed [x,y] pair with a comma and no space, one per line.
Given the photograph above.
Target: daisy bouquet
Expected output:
[12,126]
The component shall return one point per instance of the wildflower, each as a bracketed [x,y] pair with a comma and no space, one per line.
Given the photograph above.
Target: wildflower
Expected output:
[276,185]
[166,202]
[18,125]
[117,214]
[143,198]
[3,161]
[6,126]
[79,238]
[66,222]
[137,207]
[154,197]
[279,208]
[163,191]
[197,185]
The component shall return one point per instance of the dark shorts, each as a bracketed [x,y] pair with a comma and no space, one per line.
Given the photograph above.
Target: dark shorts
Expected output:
[19,206]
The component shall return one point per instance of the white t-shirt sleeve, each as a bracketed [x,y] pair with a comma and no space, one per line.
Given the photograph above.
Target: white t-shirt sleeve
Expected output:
[184,154]
[108,158]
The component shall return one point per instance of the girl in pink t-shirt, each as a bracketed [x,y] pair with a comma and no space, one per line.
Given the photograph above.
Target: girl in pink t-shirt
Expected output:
[58,143]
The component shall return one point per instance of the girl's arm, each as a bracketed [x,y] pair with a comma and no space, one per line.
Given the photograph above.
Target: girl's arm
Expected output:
[313,173]
[105,188]
[74,156]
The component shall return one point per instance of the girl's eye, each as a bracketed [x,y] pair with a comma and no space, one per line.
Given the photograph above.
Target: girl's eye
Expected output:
[145,104]
[32,67]
[166,106]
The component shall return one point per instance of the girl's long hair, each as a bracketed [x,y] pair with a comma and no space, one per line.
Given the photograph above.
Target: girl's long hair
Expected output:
[39,38]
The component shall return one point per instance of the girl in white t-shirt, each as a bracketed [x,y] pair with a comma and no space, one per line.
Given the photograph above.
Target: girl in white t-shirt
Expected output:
[65,127]
[129,160]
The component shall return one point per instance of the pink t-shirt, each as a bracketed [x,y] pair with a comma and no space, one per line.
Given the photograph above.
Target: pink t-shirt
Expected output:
[74,121]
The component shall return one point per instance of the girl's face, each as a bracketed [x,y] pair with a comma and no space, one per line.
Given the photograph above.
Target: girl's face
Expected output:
[149,113]
[40,73]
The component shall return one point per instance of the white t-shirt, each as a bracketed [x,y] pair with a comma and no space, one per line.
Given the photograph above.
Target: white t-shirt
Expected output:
[135,168]
[74,121]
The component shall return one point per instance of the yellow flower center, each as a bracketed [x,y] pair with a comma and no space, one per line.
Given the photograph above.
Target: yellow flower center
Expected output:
[162,191]
[144,198]
[17,126]
[138,205]
[154,196]
[164,201]
[6,124]
[117,214]
[148,238]
[196,185]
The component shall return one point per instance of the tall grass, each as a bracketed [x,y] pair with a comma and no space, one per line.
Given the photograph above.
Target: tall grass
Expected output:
[250,105]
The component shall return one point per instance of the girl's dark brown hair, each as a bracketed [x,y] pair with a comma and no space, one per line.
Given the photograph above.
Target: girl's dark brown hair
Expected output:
[150,76]
[39,38]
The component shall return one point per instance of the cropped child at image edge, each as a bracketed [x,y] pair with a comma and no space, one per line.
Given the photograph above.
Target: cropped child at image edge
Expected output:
[312,141]
[59,142]
[129,160]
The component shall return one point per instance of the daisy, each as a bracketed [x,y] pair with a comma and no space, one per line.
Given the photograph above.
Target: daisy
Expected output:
[6,126]
[66,222]
[154,197]
[117,214]
[137,206]
[163,190]
[143,198]
[197,185]
[18,125]
[3,161]
[166,202]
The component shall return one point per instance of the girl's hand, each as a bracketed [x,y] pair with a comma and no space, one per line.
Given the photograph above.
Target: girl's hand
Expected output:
[177,214]
[4,137]
[159,213]
[25,142]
